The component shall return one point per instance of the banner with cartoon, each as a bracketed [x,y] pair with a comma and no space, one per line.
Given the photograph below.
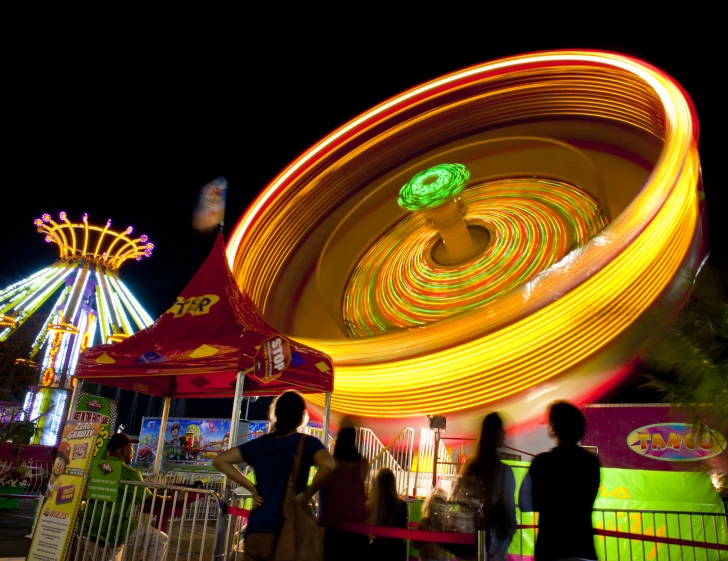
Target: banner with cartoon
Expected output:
[189,444]
[52,534]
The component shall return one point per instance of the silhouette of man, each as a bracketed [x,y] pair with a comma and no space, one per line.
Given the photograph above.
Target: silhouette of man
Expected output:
[562,485]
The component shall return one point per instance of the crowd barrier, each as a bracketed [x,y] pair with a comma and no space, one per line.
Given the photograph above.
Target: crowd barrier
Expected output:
[178,522]
[150,521]
[35,473]
[645,537]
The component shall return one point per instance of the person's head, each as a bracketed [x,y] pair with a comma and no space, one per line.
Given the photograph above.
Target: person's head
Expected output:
[62,458]
[486,460]
[288,412]
[566,422]
[120,446]
[492,431]
[435,505]
[174,429]
[345,449]
[383,497]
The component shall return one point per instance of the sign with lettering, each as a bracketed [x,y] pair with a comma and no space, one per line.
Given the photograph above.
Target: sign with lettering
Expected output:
[676,442]
[272,358]
[194,305]
[52,534]
[103,479]
[106,408]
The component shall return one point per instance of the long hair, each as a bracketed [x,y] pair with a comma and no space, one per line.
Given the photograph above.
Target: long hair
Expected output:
[433,509]
[486,463]
[345,449]
[382,506]
[287,413]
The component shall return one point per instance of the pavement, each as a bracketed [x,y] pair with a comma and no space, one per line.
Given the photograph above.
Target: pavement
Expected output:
[14,526]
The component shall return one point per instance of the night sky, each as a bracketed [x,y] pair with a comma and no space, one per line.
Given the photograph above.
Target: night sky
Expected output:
[131,129]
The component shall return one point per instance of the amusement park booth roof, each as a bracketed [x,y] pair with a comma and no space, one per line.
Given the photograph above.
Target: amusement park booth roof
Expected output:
[210,343]
[199,345]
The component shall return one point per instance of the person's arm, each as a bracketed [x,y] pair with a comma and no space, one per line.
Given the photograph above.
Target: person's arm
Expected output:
[225,462]
[525,495]
[326,465]
[528,497]
[508,495]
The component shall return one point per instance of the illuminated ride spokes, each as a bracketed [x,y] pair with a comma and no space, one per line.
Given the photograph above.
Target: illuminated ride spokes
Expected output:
[585,177]
[515,229]
[91,298]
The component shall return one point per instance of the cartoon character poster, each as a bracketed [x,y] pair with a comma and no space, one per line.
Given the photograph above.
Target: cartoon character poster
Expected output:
[189,444]
[52,532]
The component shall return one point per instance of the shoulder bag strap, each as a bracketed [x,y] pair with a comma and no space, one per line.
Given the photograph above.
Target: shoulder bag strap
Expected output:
[295,468]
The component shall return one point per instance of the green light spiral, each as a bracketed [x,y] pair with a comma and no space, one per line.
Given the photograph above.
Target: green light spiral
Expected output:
[433,187]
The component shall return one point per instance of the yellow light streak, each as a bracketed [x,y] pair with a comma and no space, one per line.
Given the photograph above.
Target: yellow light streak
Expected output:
[471,359]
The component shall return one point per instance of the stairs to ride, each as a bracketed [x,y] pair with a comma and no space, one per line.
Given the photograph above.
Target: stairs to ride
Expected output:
[412,477]
[397,455]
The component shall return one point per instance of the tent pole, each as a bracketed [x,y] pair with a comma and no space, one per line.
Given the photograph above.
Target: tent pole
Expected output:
[237,405]
[235,422]
[327,418]
[160,441]
[74,399]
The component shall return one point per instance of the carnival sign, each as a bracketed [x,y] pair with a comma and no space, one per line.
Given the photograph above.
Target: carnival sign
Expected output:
[194,305]
[676,442]
[52,532]
[272,358]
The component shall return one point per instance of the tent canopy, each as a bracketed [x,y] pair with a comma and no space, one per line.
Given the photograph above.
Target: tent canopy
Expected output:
[196,348]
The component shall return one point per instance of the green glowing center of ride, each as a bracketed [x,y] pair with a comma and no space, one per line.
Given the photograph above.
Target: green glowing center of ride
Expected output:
[433,187]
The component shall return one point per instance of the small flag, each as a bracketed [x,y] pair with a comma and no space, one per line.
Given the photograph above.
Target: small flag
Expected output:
[210,211]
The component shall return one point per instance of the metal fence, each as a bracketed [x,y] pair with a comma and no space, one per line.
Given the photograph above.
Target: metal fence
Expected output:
[158,522]
[655,535]
[150,521]
[641,535]
[36,473]
[397,455]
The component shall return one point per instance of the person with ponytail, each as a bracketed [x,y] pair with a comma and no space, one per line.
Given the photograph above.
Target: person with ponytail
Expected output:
[489,486]
[271,456]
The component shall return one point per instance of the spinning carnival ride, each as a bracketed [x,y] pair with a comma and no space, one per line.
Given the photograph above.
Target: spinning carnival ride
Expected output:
[92,299]
[549,219]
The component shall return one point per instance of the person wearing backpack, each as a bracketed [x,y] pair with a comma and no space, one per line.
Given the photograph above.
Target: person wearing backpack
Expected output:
[488,486]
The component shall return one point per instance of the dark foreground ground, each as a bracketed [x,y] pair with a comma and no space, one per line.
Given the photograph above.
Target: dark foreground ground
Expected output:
[14,526]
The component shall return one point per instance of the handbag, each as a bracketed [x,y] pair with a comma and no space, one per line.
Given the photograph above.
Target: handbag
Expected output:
[300,537]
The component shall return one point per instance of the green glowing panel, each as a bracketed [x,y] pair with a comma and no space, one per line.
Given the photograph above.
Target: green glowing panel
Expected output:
[433,187]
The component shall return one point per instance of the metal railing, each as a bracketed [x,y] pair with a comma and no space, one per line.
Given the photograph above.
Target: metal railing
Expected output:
[426,459]
[319,433]
[36,473]
[640,535]
[397,455]
[704,540]
[641,527]
[148,521]
[109,530]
